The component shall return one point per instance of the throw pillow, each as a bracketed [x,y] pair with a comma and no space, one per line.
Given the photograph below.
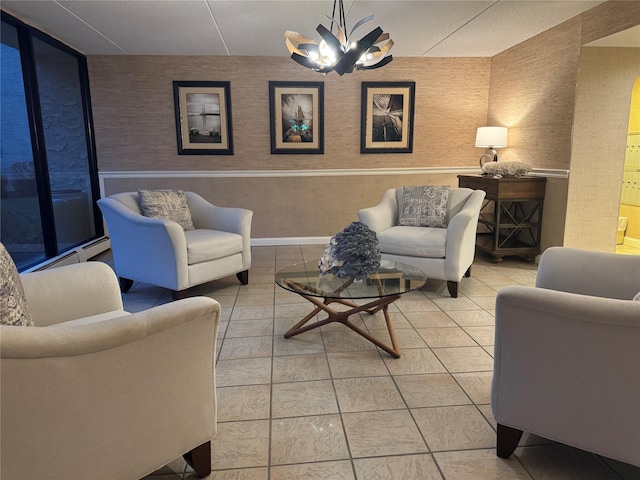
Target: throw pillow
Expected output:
[637,297]
[424,206]
[13,303]
[167,204]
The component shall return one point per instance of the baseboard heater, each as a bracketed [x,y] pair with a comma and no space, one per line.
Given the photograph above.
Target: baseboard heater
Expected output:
[80,254]
[68,258]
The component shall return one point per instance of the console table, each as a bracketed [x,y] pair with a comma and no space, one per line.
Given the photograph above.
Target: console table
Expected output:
[510,221]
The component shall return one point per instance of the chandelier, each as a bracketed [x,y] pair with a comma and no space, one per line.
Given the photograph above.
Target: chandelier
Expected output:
[337,51]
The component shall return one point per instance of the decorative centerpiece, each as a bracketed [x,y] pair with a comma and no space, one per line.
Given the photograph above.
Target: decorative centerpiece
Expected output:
[354,252]
[510,168]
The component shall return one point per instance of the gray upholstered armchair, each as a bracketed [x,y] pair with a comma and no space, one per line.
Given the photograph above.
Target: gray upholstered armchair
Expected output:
[159,252]
[441,253]
[567,355]
[94,392]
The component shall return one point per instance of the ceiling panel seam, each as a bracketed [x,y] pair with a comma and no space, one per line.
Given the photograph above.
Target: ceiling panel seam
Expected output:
[92,28]
[457,29]
[213,17]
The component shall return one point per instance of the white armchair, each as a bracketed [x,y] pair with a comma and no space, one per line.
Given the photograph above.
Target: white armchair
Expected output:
[160,252]
[567,355]
[94,392]
[441,253]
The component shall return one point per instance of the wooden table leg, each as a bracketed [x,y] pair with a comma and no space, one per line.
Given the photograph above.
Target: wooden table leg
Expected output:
[342,317]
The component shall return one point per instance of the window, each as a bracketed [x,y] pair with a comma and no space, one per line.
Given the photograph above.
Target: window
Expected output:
[47,158]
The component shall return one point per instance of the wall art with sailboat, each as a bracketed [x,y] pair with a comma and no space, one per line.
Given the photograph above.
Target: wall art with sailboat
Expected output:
[203,117]
[297,117]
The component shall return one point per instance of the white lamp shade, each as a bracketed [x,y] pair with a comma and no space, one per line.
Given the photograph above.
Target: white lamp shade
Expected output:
[491,137]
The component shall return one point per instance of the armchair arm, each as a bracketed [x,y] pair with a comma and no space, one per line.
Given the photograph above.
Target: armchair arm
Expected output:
[461,237]
[228,219]
[71,292]
[586,272]
[151,250]
[76,397]
[561,358]
[382,216]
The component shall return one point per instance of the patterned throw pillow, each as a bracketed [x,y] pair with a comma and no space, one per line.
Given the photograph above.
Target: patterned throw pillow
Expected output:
[13,304]
[167,204]
[424,206]
[636,298]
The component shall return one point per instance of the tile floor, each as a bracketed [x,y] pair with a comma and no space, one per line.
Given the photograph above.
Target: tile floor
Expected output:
[329,405]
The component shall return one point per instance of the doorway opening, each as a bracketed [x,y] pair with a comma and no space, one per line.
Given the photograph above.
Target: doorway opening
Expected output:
[628,235]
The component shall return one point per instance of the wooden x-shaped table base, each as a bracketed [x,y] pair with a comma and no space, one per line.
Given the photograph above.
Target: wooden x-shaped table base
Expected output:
[343,316]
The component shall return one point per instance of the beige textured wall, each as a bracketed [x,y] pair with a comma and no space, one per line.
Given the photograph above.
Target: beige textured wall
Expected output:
[133,111]
[135,131]
[308,206]
[603,99]
[532,91]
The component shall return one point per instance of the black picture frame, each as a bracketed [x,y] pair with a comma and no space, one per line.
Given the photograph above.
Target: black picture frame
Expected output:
[296,111]
[387,117]
[211,134]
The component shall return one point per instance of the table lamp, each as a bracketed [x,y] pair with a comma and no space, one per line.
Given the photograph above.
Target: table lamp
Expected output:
[491,138]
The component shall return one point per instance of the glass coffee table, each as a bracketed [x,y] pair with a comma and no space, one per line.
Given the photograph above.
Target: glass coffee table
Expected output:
[377,291]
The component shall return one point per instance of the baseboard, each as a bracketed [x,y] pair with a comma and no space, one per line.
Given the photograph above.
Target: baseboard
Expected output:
[631,242]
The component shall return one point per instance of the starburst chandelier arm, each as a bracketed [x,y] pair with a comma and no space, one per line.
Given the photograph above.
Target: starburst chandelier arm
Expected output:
[360,22]
[303,43]
[375,54]
[382,38]
[329,38]
[378,64]
[348,60]
[342,38]
[310,63]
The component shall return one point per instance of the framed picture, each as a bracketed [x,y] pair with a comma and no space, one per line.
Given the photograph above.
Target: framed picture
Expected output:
[387,117]
[297,117]
[203,118]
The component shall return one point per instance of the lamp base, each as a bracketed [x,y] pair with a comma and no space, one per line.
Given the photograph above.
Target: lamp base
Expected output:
[487,157]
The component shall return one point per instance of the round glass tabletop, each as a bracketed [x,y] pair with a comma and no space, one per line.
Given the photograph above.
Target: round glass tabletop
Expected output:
[392,278]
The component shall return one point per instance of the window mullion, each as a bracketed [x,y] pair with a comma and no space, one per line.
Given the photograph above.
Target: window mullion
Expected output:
[38,142]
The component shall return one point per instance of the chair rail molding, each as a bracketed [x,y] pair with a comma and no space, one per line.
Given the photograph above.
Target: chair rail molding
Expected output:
[120,174]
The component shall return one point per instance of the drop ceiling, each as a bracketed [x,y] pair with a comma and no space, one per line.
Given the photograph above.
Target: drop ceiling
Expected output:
[453,28]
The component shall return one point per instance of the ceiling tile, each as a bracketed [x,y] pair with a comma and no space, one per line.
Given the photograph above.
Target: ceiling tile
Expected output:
[144,27]
[58,22]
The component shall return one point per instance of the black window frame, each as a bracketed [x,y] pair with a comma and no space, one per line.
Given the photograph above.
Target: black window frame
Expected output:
[26,34]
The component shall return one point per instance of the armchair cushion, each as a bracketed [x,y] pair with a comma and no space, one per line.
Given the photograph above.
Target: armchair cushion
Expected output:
[424,206]
[167,204]
[421,242]
[13,303]
[204,245]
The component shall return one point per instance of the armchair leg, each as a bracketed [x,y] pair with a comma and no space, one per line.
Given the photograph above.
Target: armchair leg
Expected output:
[179,294]
[468,272]
[125,284]
[453,288]
[508,439]
[200,459]
[243,277]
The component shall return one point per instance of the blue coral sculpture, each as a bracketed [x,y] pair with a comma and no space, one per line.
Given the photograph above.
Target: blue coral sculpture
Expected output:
[354,252]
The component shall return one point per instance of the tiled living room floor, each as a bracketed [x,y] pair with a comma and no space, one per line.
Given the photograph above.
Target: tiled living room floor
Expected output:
[329,405]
